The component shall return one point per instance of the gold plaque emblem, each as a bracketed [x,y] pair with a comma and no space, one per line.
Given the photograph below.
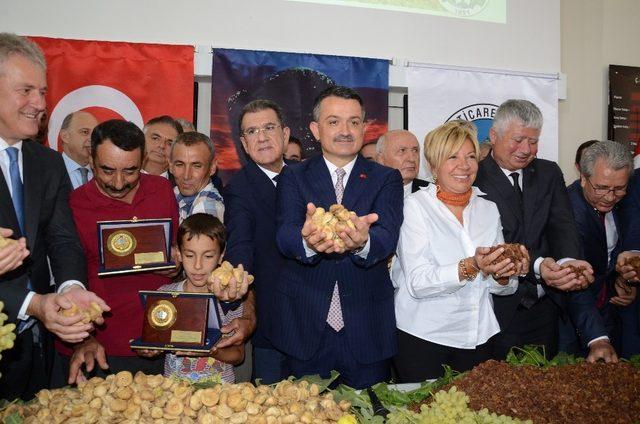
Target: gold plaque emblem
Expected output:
[121,243]
[163,315]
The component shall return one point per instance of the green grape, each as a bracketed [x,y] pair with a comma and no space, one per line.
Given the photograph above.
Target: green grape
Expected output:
[7,336]
[450,407]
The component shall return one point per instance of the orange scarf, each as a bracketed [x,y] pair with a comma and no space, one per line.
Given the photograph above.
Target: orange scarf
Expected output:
[453,199]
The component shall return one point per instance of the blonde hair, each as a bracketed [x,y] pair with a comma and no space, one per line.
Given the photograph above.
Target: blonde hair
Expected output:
[447,139]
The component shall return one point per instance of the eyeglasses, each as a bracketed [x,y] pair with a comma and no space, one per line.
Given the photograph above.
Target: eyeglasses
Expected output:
[601,191]
[254,132]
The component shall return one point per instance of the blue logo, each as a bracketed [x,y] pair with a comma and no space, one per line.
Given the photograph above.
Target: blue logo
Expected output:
[481,114]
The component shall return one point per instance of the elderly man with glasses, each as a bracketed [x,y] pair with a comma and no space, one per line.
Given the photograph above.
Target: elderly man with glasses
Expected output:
[594,323]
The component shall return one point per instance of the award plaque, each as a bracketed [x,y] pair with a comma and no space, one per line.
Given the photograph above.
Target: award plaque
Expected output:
[136,245]
[178,321]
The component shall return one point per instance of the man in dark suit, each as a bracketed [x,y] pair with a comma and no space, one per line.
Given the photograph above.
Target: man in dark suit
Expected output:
[605,168]
[334,302]
[399,149]
[630,316]
[34,190]
[250,218]
[534,209]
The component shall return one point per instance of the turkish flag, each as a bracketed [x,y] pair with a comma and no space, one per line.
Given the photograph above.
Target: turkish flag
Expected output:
[131,81]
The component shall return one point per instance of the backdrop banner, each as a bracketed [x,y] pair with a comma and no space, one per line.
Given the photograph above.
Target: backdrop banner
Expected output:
[438,95]
[292,80]
[131,81]
[624,108]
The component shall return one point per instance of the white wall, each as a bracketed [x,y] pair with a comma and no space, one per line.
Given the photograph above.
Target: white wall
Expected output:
[595,34]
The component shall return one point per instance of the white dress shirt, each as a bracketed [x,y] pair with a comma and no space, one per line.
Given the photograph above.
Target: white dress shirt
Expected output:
[270,174]
[334,179]
[407,189]
[431,302]
[4,165]
[73,169]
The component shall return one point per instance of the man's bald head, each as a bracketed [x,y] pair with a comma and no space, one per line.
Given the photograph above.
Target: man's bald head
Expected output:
[76,136]
[400,149]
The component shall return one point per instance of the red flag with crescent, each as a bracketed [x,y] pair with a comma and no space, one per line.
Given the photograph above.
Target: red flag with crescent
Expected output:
[132,81]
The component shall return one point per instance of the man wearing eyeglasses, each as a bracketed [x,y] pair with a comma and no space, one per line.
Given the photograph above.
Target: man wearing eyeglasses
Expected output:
[605,169]
[250,218]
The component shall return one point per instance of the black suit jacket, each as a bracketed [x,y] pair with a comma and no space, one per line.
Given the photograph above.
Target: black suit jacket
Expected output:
[417,183]
[49,227]
[250,219]
[545,225]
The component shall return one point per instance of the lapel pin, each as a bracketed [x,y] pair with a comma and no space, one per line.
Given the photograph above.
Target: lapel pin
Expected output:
[363,176]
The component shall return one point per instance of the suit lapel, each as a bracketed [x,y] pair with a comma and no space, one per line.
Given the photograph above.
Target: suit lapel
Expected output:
[9,218]
[357,183]
[321,183]
[31,168]
[530,192]
[504,188]
[264,188]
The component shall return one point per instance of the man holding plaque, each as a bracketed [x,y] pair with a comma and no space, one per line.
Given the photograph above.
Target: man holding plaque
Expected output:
[120,192]
[334,298]
[35,216]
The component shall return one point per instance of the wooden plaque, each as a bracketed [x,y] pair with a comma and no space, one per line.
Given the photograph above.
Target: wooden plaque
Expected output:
[134,246]
[170,320]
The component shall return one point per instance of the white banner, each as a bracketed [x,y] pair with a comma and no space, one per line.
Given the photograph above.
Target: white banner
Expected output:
[439,95]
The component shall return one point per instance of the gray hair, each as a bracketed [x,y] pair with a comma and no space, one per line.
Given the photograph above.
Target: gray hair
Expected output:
[191,138]
[66,122]
[12,44]
[615,155]
[187,126]
[380,143]
[517,109]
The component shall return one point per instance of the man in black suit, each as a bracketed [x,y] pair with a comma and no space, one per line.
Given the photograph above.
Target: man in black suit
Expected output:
[534,209]
[34,190]
[605,168]
[250,218]
[399,149]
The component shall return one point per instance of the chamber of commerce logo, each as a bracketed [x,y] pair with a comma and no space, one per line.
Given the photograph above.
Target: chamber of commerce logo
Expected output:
[481,114]
[464,7]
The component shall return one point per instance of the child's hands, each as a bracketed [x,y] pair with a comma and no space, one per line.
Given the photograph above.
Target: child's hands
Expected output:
[148,353]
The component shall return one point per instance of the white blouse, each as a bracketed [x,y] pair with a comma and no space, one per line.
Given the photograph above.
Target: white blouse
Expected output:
[431,302]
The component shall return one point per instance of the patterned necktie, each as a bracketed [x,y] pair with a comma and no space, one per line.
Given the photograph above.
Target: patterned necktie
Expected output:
[16,186]
[340,184]
[84,175]
[334,317]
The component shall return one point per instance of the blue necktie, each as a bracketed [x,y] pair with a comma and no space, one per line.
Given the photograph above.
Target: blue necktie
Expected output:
[18,204]
[16,186]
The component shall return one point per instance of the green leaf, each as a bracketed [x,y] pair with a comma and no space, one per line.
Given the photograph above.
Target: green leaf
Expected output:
[14,418]
[322,383]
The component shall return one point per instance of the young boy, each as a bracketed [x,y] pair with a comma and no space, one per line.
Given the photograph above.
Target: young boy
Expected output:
[201,242]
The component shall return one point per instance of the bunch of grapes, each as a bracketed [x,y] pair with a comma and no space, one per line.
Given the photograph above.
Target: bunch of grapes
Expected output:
[450,407]
[7,336]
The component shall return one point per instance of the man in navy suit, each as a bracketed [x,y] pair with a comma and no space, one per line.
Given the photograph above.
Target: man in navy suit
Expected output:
[334,302]
[630,316]
[605,168]
[250,218]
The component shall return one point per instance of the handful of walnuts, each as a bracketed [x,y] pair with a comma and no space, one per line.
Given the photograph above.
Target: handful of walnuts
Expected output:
[578,271]
[511,251]
[634,261]
[332,222]
[226,271]
[89,315]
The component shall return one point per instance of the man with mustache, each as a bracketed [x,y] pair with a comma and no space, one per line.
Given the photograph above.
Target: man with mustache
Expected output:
[399,149]
[334,304]
[76,146]
[119,191]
